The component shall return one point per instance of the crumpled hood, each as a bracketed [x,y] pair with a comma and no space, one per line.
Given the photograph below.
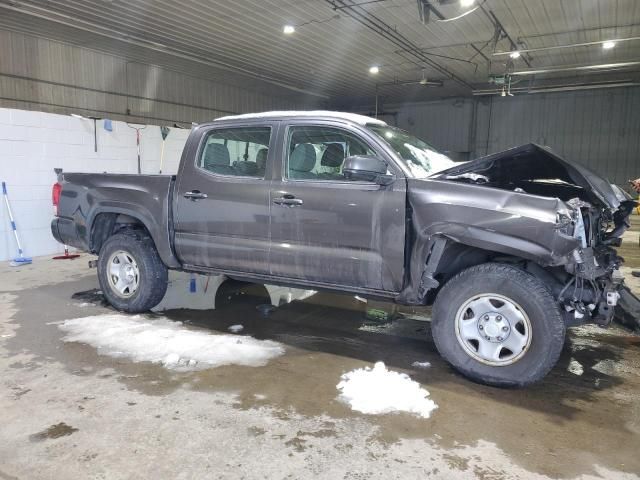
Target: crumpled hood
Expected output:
[532,162]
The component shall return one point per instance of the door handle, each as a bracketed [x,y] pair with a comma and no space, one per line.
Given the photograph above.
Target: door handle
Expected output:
[195,195]
[288,201]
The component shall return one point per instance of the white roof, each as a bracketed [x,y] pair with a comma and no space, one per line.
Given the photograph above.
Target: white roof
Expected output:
[354,117]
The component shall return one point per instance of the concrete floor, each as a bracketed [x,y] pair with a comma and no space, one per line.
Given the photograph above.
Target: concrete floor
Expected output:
[68,412]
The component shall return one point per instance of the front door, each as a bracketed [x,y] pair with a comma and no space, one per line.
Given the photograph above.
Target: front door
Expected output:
[325,228]
[222,217]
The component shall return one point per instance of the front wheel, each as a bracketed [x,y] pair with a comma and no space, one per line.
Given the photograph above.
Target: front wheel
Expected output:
[131,273]
[498,325]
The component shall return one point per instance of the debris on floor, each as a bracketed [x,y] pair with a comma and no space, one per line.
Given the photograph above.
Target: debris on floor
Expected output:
[421,364]
[93,296]
[235,328]
[378,390]
[575,367]
[54,431]
[175,346]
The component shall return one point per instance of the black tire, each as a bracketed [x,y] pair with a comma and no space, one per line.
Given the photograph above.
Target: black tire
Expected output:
[547,328]
[153,274]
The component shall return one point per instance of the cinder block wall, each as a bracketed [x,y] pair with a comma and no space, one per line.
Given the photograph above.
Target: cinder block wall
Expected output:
[33,143]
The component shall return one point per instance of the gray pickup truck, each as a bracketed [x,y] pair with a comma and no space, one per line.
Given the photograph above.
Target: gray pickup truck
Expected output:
[510,249]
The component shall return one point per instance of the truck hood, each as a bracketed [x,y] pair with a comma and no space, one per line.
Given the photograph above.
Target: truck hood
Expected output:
[535,169]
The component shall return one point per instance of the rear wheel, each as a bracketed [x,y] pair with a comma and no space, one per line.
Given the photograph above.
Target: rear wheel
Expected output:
[498,325]
[131,273]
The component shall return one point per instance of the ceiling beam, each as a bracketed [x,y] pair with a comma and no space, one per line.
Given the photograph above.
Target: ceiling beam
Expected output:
[575,68]
[557,88]
[571,45]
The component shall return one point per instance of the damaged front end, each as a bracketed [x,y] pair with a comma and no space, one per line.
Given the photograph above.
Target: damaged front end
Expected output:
[593,288]
[593,213]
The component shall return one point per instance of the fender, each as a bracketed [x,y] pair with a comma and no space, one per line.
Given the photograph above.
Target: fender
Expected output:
[429,247]
[496,222]
[159,235]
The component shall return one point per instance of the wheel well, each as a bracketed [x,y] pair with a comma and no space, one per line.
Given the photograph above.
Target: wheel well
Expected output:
[108,224]
[457,257]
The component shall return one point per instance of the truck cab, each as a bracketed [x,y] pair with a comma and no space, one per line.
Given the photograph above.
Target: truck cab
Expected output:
[269,196]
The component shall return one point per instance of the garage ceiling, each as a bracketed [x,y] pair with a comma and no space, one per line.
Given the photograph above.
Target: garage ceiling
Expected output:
[337,41]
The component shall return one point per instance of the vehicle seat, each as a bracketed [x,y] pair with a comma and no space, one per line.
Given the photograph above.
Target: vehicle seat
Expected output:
[302,161]
[261,161]
[332,157]
[246,168]
[217,159]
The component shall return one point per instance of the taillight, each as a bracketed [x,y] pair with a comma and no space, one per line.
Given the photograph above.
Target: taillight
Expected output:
[55,196]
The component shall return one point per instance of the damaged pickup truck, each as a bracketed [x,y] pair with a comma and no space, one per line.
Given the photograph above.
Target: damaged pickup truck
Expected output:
[511,249]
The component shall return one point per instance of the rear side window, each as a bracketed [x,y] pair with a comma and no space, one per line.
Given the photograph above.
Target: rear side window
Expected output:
[318,153]
[236,151]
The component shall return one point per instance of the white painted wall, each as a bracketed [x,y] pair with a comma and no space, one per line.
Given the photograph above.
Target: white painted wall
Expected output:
[33,143]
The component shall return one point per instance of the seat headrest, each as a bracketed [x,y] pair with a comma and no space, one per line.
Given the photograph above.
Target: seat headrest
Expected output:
[261,158]
[303,158]
[333,155]
[216,155]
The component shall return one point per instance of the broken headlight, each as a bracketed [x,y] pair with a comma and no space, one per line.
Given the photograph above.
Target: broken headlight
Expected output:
[564,223]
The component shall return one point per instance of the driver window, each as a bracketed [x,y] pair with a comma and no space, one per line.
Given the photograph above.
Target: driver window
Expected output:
[318,153]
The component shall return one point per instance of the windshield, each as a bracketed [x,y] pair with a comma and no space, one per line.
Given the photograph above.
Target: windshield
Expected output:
[421,158]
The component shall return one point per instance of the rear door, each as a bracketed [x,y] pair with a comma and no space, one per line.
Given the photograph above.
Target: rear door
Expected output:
[325,228]
[222,205]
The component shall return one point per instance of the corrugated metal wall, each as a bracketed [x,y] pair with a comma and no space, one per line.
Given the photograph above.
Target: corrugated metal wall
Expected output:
[445,124]
[598,128]
[46,75]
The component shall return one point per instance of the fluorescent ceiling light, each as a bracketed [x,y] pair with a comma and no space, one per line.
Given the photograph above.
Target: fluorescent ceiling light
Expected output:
[608,45]
[374,70]
[289,29]
[515,54]
[466,3]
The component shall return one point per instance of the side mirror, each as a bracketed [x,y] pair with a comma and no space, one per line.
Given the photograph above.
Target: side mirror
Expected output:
[366,168]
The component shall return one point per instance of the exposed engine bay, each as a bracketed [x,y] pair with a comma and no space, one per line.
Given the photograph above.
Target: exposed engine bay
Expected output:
[597,213]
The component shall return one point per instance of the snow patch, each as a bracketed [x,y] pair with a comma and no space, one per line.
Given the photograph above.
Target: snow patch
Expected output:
[354,117]
[235,328]
[160,340]
[421,364]
[378,390]
[575,367]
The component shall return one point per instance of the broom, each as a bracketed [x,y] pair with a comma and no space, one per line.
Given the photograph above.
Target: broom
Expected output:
[20,260]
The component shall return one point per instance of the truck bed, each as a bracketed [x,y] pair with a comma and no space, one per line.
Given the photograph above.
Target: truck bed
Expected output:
[86,195]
